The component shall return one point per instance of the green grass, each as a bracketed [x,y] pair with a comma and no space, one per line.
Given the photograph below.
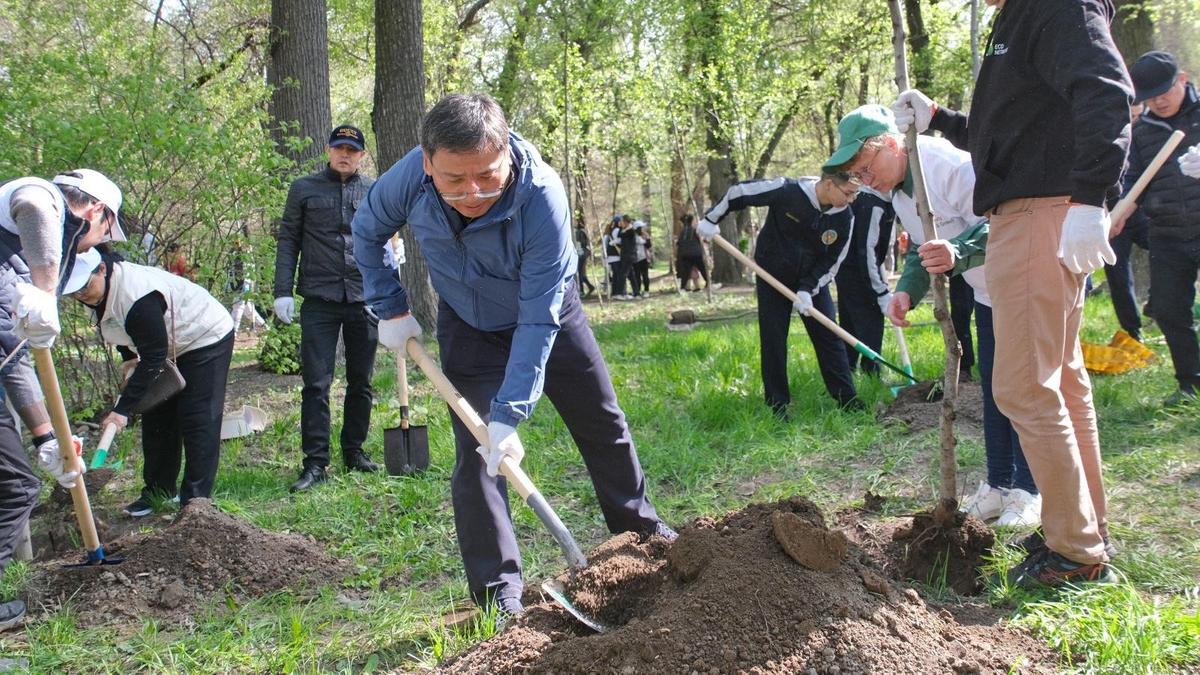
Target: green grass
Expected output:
[708,445]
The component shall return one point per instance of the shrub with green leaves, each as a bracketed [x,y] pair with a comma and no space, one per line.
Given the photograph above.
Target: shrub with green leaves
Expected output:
[280,352]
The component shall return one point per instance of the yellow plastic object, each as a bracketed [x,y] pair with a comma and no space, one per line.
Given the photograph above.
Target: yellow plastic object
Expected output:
[1121,355]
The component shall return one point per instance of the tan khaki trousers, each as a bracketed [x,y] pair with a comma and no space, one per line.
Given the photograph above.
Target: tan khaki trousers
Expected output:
[1040,382]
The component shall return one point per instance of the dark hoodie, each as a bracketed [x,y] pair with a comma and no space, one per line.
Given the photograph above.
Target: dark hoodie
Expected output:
[1050,114]
[1171,201]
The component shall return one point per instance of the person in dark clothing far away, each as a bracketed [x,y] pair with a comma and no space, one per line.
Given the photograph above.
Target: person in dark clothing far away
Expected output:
[1171,206]
[493,223]
[804,240]
[689,254]
[583,251]
[1048,136]
[315,230]
[151,316]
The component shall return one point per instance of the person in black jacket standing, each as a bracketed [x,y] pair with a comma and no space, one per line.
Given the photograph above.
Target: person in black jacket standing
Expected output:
[805,238]
[1048,136]
[689,253]
[1171,205]
[863,294]
[315,229]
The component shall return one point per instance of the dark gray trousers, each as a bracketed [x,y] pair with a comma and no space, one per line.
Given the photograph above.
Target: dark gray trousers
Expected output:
[18,485]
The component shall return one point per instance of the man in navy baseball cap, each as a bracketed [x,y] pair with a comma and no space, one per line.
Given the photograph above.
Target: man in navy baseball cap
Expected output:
[348,135]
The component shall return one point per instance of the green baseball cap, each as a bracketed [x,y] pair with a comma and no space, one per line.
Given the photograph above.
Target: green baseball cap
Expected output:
[856,127]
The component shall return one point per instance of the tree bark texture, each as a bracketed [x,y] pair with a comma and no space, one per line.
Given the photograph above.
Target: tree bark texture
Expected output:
[298,73]
[918,41]
[948,503]
[398,108]
[1133,29]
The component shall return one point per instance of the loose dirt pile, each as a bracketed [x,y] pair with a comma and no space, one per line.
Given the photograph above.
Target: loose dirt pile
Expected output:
[167,573]
[747,594]
[915,410]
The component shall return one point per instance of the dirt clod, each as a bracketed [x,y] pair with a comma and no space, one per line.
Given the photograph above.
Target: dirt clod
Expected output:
[814,547]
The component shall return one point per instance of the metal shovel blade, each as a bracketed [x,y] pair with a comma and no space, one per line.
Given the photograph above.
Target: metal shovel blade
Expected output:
[406,451]
[555,589]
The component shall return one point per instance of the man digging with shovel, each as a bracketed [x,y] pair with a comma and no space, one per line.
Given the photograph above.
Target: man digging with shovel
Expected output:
[492,221]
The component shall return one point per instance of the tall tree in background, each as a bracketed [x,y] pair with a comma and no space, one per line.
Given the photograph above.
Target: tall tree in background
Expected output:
[1133,29]
[918,42]
[299,75]
[396,118]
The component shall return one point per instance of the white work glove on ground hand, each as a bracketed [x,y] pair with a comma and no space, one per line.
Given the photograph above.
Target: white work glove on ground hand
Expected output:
[285,307]
[803,302]
[898,308]
[502,440]
[395,333]
[707,229]
[37,315]
[1189,162]
[51,460]
[1084,245]
[913,106]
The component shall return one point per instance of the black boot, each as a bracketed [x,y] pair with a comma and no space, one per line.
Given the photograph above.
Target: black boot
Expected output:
[310,476]
[10,613]
[358,461]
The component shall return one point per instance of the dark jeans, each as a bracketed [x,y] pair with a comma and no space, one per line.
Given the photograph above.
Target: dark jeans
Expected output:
[188,423]
[684,266]
[1006,465]
[581,266]
[1120,279]
[962,303]
[18,485]
[641,276]
[859,314]
[1173,268]
[620,277]
[774,320]
[578,384]
[320,323]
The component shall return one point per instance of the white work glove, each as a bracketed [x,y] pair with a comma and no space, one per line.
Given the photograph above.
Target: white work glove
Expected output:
[502,440]
[285,307]
[1084,245]
[707,229]
[395,333]
[898,308]
[37,315]
[51,460]
[913,106]
[803,302]
[1189,162]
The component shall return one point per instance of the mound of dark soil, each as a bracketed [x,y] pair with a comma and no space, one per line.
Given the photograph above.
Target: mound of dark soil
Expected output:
[728,597]
[937,555]
[913,409]
[167,573]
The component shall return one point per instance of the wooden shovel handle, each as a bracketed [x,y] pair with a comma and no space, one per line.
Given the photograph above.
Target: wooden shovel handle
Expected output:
[1161,158]
[402,385]
[48,378]
[106,439]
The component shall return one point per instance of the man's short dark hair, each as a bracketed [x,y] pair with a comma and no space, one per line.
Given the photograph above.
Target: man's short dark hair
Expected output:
[464,123]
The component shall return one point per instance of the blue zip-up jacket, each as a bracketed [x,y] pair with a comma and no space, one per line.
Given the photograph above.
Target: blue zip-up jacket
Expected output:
[507,270]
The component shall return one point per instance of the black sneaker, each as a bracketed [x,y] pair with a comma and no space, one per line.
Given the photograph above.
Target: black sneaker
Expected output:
[1036,541]
[1045,568]
[661,529]
[1180,397]
[138,508]
[507,609]
[11,612]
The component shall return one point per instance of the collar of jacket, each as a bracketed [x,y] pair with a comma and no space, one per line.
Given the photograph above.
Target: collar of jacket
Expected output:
[1190,100]
[526,163]
[336,177]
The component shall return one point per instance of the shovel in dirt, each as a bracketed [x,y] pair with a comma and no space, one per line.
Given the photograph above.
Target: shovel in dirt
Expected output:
[48,378]
[515,475]
[406,447]
[825,321]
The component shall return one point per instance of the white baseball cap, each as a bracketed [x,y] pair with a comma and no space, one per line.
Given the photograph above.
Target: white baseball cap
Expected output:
[85,264]
[104,190]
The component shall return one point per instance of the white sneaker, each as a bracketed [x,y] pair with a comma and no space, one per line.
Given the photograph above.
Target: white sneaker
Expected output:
[1021,509]
[987,502]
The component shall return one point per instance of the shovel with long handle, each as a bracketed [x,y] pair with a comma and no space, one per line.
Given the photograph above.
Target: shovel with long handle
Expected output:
[825,321]
[48,378]
[101,453]
[406,448]
[905,359]
[1134,192]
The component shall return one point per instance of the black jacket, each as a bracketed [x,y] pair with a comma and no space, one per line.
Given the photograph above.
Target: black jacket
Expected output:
[1171,201]
[799,245]
[315,229]
[1050,114]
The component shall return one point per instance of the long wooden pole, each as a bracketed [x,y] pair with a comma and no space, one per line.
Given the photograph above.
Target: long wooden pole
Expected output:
[948,491]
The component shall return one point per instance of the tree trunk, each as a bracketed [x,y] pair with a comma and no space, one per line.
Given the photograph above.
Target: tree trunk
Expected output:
[396,117]
[918,41]
[298,72]
[514,57]
[1133,29]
